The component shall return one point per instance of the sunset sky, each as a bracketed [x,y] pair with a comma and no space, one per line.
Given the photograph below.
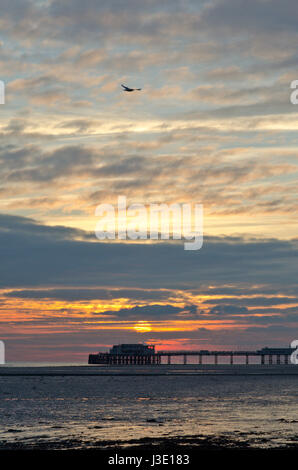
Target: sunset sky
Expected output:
[213,125]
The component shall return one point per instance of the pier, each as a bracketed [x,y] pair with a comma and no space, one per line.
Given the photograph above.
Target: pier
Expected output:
[146,355]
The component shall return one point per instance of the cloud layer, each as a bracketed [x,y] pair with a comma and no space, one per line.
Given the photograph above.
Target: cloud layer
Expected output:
[213,125]
[57,279]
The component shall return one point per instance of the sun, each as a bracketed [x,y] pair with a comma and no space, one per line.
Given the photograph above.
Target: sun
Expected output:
[142,327]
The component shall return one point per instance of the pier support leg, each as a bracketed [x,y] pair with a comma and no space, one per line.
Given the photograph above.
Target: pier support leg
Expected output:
[278,359]
[247,359]
[270,359]
[185,359]
[200,359]
[262,359]
[232,359]
[215,359]
[169,359]
[286,359]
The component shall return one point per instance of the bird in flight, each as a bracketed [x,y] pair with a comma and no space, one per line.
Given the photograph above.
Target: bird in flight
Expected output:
[126,88]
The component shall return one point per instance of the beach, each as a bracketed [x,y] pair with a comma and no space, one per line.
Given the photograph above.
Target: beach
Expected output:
[91,408]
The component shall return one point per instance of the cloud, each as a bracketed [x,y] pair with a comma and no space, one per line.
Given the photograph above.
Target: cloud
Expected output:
[78,294]
[217,178]
[33,254]
[260,16]
[202,130]
[254,301]
[25,227]
[155,312]
[228,309]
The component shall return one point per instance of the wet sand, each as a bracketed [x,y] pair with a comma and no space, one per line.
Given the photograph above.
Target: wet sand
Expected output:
[201,451]
[157,370]
[79,415]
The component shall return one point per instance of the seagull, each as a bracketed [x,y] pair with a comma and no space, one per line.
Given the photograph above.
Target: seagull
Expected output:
[126,88]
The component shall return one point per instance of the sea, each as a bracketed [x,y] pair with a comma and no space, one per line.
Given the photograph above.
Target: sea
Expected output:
[74,406]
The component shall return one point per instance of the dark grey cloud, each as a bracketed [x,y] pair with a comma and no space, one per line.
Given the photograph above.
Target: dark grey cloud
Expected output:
[138,20]
[36,255]
[90,294]
[255,301]
[14,226]
[91,20]
[17,10]
[151,312]
[32,164]
[60,163]
[255,16]
[124,166]
[150,17]
[227,309]
[241,290]
[12,157]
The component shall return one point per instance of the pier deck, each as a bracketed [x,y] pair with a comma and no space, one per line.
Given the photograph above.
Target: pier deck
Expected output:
[266,355]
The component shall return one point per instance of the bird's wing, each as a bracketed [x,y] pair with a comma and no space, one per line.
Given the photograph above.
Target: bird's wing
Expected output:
[126,88]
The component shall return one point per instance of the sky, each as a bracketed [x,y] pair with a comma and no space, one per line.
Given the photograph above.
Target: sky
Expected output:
[213,125]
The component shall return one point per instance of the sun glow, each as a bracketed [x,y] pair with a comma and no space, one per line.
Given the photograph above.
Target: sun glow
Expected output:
[142,327]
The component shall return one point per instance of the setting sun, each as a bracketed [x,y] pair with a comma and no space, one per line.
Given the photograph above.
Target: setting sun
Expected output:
[142,327]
